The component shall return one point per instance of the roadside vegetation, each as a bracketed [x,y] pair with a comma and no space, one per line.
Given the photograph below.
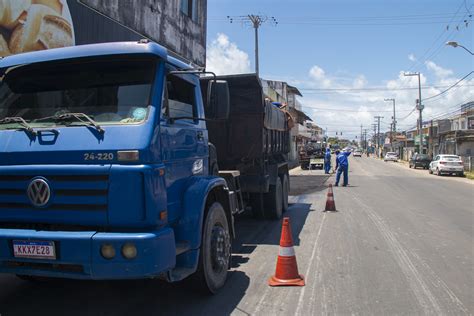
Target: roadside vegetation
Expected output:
[469,175]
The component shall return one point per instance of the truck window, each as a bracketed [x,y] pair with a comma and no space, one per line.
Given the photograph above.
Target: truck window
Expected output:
[181,98]
[109,91]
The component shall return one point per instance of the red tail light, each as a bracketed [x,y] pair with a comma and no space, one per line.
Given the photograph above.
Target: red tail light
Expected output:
[442,162]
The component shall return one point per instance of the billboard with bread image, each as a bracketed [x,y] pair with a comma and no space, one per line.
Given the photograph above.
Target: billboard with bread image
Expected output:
[30,25]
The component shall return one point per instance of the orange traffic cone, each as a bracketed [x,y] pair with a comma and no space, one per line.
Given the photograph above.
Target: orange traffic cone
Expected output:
[286,269]
[330,204]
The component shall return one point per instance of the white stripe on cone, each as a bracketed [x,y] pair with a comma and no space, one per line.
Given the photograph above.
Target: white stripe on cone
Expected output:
[286,252]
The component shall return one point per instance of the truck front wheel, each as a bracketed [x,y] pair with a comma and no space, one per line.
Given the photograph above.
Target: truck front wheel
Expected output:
[274,201]
[215,253]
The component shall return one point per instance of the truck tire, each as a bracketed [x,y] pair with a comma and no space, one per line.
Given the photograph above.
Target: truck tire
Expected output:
[274,201]
[285,184]
[214,256]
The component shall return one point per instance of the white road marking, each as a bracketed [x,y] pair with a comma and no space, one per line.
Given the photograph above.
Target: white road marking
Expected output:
[437,281]
[418,285]
[296,199]
[310,265]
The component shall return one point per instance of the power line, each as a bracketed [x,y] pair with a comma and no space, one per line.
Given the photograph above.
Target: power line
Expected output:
[405,117]
[362,21]
[444,114]
[424,57]
[416,62]
[450,36]
[347,110]
[374,88]
[452,86]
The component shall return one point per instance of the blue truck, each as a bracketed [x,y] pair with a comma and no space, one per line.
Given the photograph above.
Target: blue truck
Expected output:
[117,161]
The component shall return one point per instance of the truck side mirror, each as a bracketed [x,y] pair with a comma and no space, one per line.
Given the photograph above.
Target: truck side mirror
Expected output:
[218,100]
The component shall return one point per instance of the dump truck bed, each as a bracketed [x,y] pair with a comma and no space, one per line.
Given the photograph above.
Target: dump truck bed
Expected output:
[255,128]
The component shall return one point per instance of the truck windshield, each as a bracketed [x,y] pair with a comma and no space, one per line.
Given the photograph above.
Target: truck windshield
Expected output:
[110,91]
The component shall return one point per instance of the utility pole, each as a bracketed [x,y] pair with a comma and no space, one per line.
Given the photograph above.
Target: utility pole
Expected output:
[419,107]
[394,120]
[365,140]
[391,136]
[360,135]
[375,134]
[378,133]
[255,21]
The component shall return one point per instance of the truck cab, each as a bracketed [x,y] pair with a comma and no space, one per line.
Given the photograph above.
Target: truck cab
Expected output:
[104,167]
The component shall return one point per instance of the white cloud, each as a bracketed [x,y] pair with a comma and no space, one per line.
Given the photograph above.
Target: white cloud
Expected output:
[319,77]
[439,71]
[224,57]
[359,82]
[345,109]
[317,73]
[412,57]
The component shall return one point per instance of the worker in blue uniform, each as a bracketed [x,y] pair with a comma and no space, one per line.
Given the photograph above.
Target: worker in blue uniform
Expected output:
[327,161]
[342,166]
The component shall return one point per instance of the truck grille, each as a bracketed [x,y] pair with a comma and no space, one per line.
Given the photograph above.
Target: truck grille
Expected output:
[68,192]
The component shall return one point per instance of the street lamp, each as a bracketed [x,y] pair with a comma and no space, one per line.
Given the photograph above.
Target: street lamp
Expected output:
[456,44]
[419,107]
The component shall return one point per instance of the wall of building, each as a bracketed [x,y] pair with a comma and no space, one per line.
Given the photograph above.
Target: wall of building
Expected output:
[161,21]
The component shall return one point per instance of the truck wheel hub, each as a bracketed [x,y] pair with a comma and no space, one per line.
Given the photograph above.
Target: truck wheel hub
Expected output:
[220,248]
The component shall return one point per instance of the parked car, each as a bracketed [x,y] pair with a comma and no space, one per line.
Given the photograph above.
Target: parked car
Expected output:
[447,164]
[391,156]
[419,160]
[357,153]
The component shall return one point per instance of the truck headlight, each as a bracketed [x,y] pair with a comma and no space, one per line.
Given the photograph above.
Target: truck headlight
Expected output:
[129,251]
[107,251]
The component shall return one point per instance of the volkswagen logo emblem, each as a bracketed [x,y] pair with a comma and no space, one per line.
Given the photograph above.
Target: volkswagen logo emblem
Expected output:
[39,192]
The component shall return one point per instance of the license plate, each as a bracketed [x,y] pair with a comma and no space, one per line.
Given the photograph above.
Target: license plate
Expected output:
[34,249]
[316,161]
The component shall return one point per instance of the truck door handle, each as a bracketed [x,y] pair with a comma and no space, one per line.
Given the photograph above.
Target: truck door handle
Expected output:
[200,135]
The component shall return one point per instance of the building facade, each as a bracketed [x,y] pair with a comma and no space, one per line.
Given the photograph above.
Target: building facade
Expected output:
[280,91]
[453,136]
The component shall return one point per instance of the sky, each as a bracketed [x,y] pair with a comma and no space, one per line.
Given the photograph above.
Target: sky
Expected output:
[347,56]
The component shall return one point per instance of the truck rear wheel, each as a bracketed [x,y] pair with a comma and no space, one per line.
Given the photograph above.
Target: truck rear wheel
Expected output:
[214,256]
[285,184]
[274,201]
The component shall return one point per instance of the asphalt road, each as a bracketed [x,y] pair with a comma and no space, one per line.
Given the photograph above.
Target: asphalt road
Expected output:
[401,243]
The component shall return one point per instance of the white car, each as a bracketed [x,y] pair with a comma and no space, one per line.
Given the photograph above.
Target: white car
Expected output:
[357,153]
[391,156]
[447,164]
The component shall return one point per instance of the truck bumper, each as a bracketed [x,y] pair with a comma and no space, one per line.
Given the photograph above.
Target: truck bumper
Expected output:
[78,254]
